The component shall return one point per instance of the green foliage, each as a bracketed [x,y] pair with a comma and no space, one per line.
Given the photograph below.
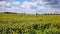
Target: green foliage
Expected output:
[29,24]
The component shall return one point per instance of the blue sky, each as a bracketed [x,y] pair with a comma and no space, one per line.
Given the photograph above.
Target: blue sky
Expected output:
[30,6]
[20,0]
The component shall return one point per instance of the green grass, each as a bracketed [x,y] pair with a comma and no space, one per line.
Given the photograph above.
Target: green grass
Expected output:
[29,24]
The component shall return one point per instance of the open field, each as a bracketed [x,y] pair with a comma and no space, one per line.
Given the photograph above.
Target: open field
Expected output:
[29,24]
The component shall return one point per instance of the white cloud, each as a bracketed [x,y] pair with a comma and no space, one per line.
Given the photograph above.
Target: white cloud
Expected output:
[28,7]
[16,2]
[8,4]
[2,3]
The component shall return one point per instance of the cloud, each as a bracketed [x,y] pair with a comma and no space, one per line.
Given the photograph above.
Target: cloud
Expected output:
[52,3]
[2,3]
[4,0]
[31,6]
[1,0]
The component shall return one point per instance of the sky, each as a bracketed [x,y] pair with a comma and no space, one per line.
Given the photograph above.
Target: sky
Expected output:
[30,6]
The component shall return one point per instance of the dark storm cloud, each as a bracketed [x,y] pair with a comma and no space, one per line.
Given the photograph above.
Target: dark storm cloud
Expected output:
[51,2]
[1,0]
[4,0]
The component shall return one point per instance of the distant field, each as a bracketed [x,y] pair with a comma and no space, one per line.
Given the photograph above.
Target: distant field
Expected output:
[29,24]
